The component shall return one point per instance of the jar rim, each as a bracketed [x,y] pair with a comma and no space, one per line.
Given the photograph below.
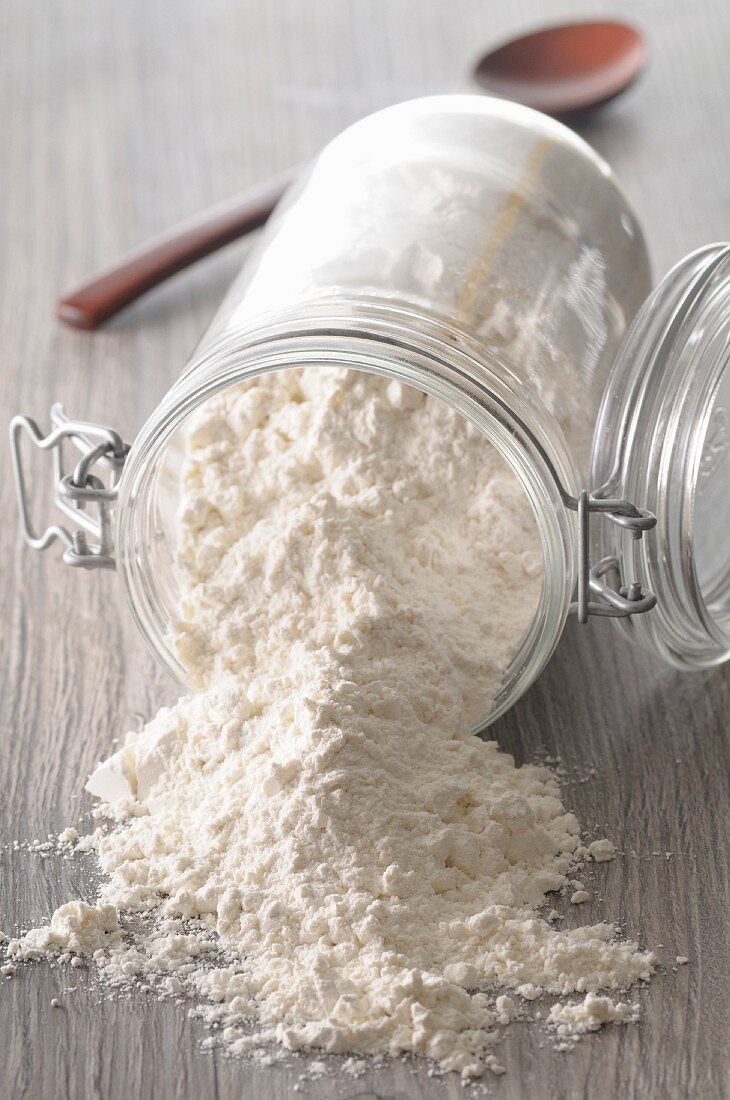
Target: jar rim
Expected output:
[430,357]
[653,436]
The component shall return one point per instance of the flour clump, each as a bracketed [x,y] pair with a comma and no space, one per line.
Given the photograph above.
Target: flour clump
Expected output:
[323,843]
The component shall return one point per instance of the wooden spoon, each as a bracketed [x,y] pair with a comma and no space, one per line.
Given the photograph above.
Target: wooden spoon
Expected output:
[565,69]
[557,70]
[109,291]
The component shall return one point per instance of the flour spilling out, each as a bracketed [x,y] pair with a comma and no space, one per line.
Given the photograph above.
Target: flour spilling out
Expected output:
[319,842]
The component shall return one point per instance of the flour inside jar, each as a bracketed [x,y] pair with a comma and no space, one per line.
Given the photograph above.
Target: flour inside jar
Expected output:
[331,858]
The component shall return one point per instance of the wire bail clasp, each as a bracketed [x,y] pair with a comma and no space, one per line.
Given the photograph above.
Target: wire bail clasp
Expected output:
[614,597]
[73,492]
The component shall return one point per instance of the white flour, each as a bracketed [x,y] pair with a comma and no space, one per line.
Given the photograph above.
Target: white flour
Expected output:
[574,1020]
[358,569]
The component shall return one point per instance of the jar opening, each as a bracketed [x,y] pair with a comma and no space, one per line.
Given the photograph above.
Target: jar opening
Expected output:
[146,537]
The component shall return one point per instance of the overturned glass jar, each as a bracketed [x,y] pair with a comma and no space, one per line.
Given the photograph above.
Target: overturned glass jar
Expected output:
[485,255]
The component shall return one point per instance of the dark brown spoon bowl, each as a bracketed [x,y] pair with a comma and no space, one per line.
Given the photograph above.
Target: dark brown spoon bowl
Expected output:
[565,69]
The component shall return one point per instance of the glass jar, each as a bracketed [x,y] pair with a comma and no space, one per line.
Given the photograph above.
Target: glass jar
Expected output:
[484,254]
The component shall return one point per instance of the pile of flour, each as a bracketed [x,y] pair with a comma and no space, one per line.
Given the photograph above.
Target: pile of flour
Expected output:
[319,841]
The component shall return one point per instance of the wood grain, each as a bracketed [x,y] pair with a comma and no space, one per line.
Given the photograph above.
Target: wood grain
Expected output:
[120,119]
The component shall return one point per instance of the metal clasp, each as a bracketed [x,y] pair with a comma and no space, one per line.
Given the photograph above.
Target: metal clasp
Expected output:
[75,491]
[603,580]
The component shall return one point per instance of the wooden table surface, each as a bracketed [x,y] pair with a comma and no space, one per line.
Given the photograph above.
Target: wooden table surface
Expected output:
[121,118]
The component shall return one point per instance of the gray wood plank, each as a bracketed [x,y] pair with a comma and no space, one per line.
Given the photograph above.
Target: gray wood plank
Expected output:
[117,120]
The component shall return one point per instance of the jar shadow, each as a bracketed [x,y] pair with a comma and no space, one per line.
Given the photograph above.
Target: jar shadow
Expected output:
[614,133]
[587,704]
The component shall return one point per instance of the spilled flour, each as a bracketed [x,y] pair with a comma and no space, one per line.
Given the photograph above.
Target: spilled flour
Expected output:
[319,842]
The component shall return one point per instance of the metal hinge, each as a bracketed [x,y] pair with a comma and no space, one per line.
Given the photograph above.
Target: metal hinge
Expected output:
[614,597]
[74,491]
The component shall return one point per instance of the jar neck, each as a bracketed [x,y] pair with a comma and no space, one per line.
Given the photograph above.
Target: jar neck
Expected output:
[413,349]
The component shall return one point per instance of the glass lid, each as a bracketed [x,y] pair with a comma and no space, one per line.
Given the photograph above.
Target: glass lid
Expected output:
[662,441]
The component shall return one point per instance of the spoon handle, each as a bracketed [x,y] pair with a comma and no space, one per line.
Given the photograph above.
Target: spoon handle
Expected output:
[103,295]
